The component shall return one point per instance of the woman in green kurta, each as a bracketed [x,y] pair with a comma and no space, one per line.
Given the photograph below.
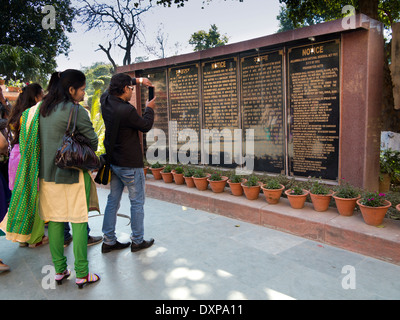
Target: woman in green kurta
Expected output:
[65,195]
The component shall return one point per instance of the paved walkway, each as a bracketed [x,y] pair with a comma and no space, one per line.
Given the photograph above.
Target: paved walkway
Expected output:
[199,255]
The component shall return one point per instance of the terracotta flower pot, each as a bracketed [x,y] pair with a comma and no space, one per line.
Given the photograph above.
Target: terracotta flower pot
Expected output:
[145,170]
[374,216]
[272,196]
[201,183]
[297,201]
[320,201]
[157,172]
[166,176]
[345,206]
[13,89]
[218,186]
[251,193]
[189,182]
[178,177]
[2,82]
[236,188]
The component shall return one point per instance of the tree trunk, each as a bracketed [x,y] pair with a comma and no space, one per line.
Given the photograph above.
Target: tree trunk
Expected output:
[369,8]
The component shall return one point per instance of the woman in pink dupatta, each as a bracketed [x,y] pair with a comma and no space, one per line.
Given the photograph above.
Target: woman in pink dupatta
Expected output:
[30,96]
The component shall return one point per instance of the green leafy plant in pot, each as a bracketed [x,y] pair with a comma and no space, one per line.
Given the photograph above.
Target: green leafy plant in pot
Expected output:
[320,196]
[346,197]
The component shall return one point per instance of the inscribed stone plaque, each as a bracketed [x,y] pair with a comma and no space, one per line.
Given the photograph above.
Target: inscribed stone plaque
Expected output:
[314,110]
[220,109]
[185,107]
[263,109]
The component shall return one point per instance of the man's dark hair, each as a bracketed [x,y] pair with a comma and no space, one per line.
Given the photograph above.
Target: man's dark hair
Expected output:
[118,82]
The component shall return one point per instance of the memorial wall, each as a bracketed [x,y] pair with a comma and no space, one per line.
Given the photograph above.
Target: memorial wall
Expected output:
[294,132]
[293,93]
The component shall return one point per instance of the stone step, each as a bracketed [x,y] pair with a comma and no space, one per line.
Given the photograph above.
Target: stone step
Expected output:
[350,233]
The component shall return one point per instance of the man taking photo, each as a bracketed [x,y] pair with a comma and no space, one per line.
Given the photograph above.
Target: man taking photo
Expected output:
[126,159]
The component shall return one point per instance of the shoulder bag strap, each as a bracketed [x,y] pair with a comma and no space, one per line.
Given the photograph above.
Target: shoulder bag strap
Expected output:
[69,120]
[75,110]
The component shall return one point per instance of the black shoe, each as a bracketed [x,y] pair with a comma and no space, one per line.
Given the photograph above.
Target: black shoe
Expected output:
[67,242]
[117,246]
[94,240]
[144,245]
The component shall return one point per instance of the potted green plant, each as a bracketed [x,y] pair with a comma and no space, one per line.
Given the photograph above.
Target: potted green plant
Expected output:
[178,175]
[14,85]
[320,196]
[346,197]
[272,191]
[217,182]
[188,176]
[297,196]
[200,179]
[251,188]
[235,184]
[389,162]
[373,206]
[166,174]
[156,169]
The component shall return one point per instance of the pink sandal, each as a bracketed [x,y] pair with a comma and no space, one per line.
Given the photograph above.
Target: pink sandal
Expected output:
[90,278]
[61,276]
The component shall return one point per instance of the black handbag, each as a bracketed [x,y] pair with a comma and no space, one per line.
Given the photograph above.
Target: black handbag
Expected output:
[75,151]
[104,174]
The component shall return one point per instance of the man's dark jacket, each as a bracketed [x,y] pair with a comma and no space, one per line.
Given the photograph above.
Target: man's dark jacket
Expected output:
[128,148]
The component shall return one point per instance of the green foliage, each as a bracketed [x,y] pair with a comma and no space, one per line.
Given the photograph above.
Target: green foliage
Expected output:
[13,83]
[236,178]
[18,63]
[346,190]
[189,172]
[156,165]
[179,170]
[202,40]
[296,190]
[318,188]
[167,169]
[373,199]
[98,122]
[98,76]
[297,14]
[390,163]
[252,181]
[216,176]
[199,173]
[21,26]
[272,184]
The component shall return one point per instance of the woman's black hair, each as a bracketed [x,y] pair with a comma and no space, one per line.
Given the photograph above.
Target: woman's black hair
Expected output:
[118,82]
[58,89]
[26,100]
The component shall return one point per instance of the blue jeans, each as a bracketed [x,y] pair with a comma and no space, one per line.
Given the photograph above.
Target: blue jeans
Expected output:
[134,179]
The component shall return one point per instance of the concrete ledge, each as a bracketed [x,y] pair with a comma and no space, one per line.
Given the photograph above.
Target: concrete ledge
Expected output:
[350,233]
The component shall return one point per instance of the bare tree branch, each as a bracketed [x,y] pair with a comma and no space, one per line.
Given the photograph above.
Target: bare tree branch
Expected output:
[107,51]
[122,19]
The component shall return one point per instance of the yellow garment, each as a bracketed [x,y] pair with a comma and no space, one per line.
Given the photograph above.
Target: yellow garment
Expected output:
[66,202]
